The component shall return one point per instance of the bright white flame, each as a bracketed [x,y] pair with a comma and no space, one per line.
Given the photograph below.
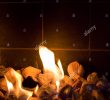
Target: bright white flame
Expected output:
[58,85]
[36,89]
[61,69]
[9,86]
[47,58]
[49,65]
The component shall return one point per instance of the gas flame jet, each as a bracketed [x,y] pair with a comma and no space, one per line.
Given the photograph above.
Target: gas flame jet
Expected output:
[48,60]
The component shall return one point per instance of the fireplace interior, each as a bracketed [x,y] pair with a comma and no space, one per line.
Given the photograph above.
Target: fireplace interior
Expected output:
[74,30]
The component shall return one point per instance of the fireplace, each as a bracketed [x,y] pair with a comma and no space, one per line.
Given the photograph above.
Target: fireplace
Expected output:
[75,31]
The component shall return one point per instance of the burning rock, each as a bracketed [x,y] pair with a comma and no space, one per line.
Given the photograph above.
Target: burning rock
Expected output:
[54,85]
[1,95]
[33,98]
[14,84]
[92,78]
[12,97]
[66,81]
[75,70]
[66,92]
[89,84]
[3,84]
[32,72]
[46,78]
[11,76]
[45,92]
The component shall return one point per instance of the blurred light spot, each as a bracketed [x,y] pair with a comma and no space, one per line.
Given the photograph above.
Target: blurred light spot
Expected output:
[24,30]
[74,44]
[57,30]
[90,59]
[90,1]
[24,0]
[7,15]
[57,1]
[106,15]
[73,15]
[106,73]
[41,15]
[8,44]
[24,59]
[107,44]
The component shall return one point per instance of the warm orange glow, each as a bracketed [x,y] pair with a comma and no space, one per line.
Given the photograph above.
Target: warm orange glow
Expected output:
[17,89]
[48,60]
[61,69]
[58,85]
[36,89]
[9,86]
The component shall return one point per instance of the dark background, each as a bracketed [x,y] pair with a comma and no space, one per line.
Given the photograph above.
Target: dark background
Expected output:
[62,23]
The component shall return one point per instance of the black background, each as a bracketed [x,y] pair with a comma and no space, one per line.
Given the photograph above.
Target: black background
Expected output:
[62,23]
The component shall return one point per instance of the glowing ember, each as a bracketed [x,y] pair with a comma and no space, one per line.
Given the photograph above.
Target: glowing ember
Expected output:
[61,69]
[36,89]
[58,85]
[49,65]
[52,84]
[16,87]
[10,86]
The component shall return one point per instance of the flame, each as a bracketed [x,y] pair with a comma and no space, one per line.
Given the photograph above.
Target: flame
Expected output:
[16,87]
[48,60]
[58,85]
[61,69]
[36,89]
[10,86]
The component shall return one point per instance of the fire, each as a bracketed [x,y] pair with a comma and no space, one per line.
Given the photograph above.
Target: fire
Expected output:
[10,86]
[36,89]
[61,69]
[58,85]
[14,79]
[15,85]
[48,60]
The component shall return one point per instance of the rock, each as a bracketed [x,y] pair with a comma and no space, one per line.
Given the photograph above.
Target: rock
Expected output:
[92,78]
[46,78]
[31,71]
[75,70]
[3,84]
[33,98]
[66,81]
[97,95]
[66,92]
[1,95]
[13,76]
[45,92]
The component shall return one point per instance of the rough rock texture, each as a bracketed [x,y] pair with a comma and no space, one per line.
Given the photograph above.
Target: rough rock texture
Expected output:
[75,70]
[31,71]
